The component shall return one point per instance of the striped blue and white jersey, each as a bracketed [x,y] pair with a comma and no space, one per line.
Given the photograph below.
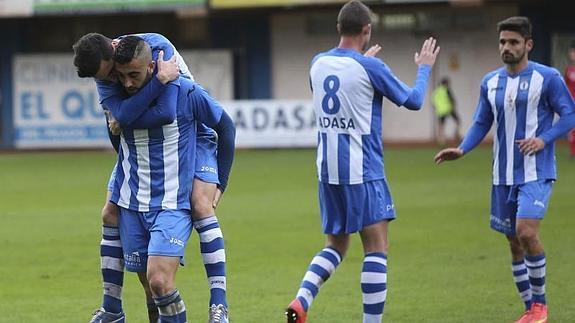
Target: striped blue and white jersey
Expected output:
[522,106]
[156,166]
[348,91]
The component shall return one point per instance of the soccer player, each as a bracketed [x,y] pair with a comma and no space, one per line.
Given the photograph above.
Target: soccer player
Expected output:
[521,98]
[93,58]
[348,89]
[153,183]
[570,81]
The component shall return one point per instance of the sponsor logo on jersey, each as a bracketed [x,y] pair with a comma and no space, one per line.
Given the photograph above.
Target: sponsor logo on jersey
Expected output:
[336,123]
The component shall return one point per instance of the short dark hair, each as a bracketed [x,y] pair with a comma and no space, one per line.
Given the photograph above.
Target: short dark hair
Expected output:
[129,48]
[352,17]
[520,25]
[89,51]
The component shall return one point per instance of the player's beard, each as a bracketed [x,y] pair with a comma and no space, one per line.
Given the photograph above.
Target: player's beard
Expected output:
[133,90]
[510,59]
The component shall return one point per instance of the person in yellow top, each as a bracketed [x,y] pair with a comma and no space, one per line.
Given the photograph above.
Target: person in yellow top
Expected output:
[444,105]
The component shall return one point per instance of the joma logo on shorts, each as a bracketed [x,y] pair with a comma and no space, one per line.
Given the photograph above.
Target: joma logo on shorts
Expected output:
[209,169]
[539,203]
[177,242]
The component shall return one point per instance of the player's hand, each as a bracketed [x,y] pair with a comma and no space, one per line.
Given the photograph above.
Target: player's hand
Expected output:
[428,52]
[372,51]
[113,124]
[530,146]
[217,198]
[448,154]
[167,70]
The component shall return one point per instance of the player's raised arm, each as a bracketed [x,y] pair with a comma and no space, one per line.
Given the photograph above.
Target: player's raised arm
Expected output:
[425,60]
[428,53]
[393,88]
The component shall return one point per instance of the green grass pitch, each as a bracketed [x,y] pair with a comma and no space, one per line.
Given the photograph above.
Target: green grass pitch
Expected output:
[445,264]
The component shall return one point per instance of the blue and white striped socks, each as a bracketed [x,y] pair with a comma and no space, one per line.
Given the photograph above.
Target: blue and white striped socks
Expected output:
[536,269]
[374,286]
[522,282]
[214,257]
[171,307]
[322,266]
[112,265]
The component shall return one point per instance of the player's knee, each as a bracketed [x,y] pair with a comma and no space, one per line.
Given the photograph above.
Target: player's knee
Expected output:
[340,245]
[527,237]
[516,249]
[202,205]
[110,214]
[158,283]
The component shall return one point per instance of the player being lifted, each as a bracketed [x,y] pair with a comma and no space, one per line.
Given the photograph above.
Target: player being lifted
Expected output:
[521,99]
[348,89]
[93,58]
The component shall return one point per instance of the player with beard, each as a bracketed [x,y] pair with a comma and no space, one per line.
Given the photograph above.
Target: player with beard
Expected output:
[521,99]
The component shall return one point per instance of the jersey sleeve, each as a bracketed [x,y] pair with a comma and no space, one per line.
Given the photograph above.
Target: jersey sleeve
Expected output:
[482,122]
[159,43]
[108,89]
[204,108]
[127,109]
[558,95]
[561,102]
[385,82]
[163,112]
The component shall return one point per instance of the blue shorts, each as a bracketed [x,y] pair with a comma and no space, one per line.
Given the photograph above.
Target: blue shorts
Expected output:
[206,160]
[350,208]
[524,201]
[112,178]
[158,233]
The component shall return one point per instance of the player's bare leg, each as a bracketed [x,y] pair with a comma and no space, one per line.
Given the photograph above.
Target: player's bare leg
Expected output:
[211,247]
[161,276]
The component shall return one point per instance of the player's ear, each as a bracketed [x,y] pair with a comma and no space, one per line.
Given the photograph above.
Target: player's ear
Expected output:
[366,30]
[152,65]
[338,28]
[529,44]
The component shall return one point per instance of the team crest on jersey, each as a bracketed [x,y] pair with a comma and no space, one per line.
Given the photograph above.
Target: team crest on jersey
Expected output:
[336,123]
[523,85]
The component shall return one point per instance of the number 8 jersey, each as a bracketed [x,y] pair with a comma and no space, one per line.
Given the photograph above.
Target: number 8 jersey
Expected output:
[348,90]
